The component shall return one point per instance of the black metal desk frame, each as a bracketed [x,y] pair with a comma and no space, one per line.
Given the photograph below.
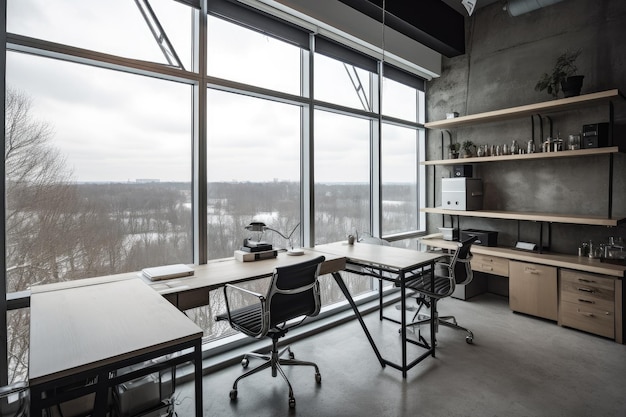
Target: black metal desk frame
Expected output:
[60,390]
[399,277]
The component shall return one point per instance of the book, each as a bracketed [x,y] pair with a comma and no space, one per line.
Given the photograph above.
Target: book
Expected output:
[159,273]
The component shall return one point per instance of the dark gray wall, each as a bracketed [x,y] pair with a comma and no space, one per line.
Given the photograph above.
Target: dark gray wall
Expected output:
[505,58]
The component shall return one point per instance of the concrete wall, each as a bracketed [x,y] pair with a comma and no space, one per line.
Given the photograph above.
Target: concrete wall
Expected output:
[505,58]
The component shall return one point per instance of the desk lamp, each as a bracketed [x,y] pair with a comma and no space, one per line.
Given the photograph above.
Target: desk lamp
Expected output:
[256,245]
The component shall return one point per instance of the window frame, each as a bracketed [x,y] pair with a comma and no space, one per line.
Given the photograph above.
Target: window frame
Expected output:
[200,82]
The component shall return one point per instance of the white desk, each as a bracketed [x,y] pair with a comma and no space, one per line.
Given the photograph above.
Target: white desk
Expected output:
[193,291]
[93,329]
[390,264]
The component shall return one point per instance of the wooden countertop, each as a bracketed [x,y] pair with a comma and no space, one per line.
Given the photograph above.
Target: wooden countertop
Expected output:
[552,259]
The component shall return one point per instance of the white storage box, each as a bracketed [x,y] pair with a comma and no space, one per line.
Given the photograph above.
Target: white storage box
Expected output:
[462,193]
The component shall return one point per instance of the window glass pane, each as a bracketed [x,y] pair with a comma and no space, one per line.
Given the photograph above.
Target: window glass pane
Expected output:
[18,335]
[342,190]
[343,84]
[113,26]
[98,180]
[399,100]
[253,170]
[342,173]
[243,55]
[399,179]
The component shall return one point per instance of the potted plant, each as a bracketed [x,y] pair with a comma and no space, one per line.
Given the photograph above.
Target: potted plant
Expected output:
[563,77]
[468,149]
[453,150]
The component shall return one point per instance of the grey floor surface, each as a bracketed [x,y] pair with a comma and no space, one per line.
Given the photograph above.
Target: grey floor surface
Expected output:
[517,366]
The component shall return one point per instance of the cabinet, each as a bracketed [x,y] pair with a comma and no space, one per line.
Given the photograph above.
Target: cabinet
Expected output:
[523,111]
[587,302]
[533,289]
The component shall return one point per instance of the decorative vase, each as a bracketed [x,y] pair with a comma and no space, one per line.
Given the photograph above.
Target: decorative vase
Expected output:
[572,85]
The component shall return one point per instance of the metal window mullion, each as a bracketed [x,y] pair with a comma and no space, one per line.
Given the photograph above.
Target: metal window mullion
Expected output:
[199,115]
[4,367]
[307,162]
[375,156]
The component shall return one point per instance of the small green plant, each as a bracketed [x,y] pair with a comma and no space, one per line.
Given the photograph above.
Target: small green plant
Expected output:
[468,148]
[453,150]
[468,145]
[564,67]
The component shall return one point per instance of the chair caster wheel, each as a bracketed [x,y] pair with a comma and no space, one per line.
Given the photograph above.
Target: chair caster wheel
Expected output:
[292,403]
[245,362]
[233,394]
[469,340]
[318,378]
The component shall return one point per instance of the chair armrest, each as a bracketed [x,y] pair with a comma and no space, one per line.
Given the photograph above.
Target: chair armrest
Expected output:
[20,386]
[234,287]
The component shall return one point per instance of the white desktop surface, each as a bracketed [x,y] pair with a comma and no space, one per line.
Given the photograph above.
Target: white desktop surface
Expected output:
[80,328]
[389,256]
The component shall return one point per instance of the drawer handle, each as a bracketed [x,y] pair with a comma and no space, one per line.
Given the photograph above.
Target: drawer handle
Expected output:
[583,289]
[586,301]
[488,267]
[587,314]
[589,281]
[531,271]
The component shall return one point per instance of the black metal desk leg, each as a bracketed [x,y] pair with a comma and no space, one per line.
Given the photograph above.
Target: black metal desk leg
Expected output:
[403,322]
[197,362]
[380,299]
[434,315]
[346,293]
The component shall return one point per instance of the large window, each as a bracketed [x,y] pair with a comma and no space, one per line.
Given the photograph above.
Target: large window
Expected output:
[114,27]
[399,179]
[101,165]
[342,176]
[253,170]
[233,51]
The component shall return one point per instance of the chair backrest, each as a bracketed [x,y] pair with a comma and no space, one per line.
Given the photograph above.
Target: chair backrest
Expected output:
[460,264]
[294,291]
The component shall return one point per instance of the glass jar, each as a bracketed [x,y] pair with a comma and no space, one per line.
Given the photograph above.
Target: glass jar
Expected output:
[573,142]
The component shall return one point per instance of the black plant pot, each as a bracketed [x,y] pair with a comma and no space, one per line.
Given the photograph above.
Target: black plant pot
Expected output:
[572,85]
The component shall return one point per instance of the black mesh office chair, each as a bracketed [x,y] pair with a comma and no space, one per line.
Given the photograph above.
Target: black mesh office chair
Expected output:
[293,295]
[453,271]
[14,400]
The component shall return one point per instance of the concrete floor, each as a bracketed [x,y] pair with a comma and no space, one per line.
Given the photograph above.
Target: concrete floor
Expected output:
[517,366]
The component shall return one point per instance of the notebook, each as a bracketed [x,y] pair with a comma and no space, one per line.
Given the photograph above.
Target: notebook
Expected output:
[159,273]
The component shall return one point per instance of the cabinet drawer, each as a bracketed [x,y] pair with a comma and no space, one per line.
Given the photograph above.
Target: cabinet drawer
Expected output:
[588,318]
[490,265]
[587,280]
[599,297]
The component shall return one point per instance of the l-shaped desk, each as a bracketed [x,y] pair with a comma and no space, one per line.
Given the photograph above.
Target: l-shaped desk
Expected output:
[87,329]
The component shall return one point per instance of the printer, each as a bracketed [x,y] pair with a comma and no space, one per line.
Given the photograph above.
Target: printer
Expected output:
[462,193]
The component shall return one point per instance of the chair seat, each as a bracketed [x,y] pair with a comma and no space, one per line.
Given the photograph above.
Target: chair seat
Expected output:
[424,285]
[248,317]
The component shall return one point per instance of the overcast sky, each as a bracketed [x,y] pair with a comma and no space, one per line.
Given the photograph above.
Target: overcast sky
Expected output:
[113,126]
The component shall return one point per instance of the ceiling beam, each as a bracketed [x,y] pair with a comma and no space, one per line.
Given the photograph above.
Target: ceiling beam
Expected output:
[430,22]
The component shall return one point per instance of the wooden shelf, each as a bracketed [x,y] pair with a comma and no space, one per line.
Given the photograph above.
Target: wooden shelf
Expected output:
[528,110]
[540,155]
[537,217]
